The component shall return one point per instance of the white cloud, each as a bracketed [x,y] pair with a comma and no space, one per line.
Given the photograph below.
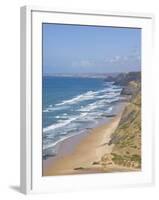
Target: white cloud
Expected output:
[115,59]
[123,59]
[83,63]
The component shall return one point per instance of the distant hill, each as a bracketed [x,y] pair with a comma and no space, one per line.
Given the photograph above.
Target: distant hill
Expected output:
[82,75]
[124,78]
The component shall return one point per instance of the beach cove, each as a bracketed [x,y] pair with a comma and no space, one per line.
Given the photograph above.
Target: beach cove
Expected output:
[82,154]
[89,150]
[113,145]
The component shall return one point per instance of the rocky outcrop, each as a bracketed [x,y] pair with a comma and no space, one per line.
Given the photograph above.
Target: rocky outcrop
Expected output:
[133,88]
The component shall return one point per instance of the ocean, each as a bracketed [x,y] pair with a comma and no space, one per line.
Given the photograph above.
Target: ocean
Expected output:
[72,105]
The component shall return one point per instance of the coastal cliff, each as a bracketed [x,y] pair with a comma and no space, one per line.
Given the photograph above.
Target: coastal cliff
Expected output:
[124,78]
[126,139]
[111,147]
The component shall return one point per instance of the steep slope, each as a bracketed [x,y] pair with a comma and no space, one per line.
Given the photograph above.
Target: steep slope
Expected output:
[127,136]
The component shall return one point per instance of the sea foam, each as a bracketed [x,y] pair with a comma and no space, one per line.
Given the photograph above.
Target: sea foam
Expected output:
[77,114]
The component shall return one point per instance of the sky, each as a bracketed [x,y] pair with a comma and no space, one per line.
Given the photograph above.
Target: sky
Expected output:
[90,49]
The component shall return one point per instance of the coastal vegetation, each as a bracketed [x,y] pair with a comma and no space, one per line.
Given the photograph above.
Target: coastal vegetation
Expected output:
[127,137]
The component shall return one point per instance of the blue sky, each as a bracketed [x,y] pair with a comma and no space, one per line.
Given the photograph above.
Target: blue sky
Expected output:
[90,49]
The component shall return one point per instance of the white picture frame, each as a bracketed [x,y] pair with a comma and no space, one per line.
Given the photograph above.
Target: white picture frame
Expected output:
[31,72]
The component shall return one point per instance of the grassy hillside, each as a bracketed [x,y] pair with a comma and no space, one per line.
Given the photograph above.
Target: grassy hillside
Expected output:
[127,136]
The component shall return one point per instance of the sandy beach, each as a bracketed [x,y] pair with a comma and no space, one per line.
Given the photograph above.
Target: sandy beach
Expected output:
[85,154]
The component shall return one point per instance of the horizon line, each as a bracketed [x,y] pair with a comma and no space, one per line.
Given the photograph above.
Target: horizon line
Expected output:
[99,73]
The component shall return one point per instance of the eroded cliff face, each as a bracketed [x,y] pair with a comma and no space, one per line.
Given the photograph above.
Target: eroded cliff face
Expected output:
[127,136]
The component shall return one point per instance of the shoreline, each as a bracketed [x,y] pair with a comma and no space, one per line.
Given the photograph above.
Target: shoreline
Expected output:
[80,154]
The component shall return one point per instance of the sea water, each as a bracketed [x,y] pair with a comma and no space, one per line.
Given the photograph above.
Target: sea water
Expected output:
[72,105]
